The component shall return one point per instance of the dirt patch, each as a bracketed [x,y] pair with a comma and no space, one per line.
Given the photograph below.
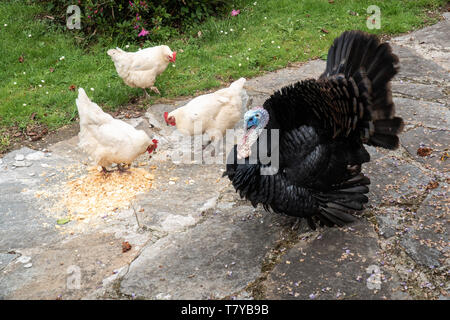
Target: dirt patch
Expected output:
[37,136]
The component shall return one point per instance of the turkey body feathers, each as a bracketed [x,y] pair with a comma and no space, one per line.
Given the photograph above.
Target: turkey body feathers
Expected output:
[323,125]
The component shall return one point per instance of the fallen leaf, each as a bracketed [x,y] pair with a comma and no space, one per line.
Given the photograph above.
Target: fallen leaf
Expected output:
[21,59]
[126,246]
[423,152]
[325,30]
[52,69]
[72,87]
[432,185]
[33,116]
[330,1]
[62,221]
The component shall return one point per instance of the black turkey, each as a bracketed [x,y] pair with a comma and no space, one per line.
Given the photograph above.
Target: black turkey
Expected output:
[323,125]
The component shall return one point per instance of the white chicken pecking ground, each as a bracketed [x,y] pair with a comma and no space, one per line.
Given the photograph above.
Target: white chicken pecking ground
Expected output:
[108,140]
[211,113]
[140,69]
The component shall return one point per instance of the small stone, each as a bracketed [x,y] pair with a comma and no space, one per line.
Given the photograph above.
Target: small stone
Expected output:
[19,157]
[35,156]
[28,265]
[22,163]
[23,259]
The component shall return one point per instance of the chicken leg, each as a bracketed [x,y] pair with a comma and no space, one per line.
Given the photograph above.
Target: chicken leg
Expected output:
[155,90]
[105,171]
[146,93]
[122,169]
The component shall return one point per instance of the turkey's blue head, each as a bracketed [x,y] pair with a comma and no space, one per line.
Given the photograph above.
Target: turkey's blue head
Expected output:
[255,120]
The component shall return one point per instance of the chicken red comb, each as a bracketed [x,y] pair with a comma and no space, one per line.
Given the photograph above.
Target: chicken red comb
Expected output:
[166,115]
[155,141]
[174,56]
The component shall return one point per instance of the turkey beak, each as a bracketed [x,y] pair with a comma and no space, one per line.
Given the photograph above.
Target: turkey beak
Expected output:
[251,122]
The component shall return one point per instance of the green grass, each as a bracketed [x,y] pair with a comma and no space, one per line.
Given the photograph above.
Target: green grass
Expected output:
[265,36]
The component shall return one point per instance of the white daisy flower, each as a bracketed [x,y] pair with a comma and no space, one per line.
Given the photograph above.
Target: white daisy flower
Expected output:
[29,36]
[272,41]
[240,64]
[5,24]
[231,56]
[24,104]
[221,31]
[92,89]
[279,47]
[231,30]
[24,72]
[254,3]
[265,18]
[248,58]
[226,32]
[127,46]
[243,29]
[249,49]
[42,81]
[46,92]
[62,58]
[15,82]
[40,86]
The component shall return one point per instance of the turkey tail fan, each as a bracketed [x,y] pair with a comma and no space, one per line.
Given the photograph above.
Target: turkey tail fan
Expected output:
[372,65]
[339,205]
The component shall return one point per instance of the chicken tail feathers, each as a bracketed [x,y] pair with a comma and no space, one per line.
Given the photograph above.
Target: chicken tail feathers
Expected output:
[88,111]
[238,84]
[360,56]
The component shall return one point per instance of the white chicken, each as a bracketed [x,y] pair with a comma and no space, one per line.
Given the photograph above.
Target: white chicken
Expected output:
[214,113]
[108,140]
[140,69]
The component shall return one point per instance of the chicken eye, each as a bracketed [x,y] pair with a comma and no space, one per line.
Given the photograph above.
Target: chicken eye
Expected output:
[257,115]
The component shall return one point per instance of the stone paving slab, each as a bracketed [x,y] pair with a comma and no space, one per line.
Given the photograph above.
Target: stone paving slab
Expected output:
[337,264]
[414,67]
[436,139]
[212,260]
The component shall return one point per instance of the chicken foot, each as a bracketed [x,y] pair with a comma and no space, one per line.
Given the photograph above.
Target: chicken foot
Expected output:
[146,93]
[155,90]
[122,169]
[106,171]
